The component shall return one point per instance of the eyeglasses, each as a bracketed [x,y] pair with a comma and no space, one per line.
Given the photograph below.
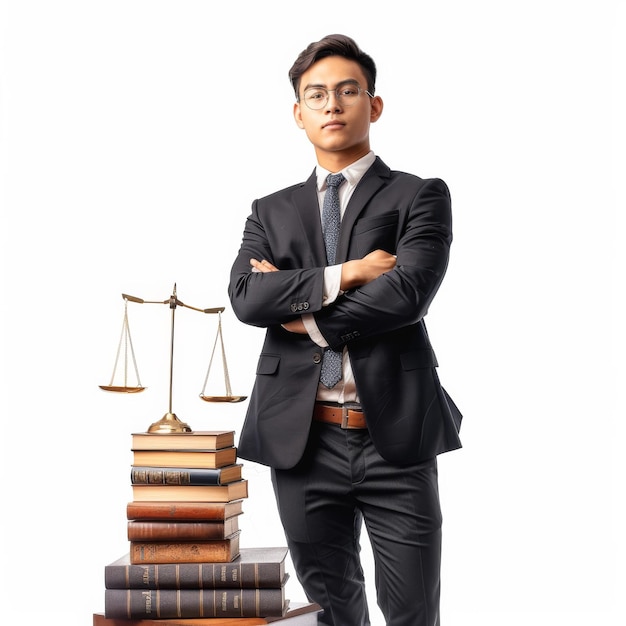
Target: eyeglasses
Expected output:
[317,97]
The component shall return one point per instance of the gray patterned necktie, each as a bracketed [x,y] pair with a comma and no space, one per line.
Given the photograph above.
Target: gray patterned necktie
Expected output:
[331,220]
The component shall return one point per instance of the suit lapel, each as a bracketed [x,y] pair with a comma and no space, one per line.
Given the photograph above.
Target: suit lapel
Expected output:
[307,206]
[367,187]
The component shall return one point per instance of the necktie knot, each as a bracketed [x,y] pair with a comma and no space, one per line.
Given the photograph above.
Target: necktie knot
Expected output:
[334,180]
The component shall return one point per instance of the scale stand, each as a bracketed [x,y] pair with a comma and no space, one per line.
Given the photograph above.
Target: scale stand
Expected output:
[169,423]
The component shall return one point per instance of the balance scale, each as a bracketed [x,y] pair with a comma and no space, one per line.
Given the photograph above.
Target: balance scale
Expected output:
[169,423]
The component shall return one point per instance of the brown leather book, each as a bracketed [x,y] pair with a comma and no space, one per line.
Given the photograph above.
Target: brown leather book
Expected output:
[254,568]
[215,551]
[159,530]
[150,510]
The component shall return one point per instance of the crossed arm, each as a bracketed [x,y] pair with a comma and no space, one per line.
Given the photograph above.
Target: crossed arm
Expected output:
[354,273]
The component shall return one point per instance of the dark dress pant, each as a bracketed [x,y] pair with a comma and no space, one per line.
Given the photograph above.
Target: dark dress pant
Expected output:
[341,483]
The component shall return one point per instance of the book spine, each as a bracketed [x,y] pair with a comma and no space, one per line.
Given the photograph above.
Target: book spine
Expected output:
[192,576]
[152,530]
[175,476]
[191,493]
[190,603]
[176,510]
[153,552]
[185,458]
[209,442]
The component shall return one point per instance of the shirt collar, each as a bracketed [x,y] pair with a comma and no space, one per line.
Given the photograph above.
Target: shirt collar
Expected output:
[353,173]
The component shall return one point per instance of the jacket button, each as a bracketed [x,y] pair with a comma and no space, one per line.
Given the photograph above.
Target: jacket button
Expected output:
[317,358]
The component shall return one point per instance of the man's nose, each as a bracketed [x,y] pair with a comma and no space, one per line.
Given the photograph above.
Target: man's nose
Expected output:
[334,102]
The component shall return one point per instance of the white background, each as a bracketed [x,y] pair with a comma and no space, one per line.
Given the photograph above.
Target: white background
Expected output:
[123,123]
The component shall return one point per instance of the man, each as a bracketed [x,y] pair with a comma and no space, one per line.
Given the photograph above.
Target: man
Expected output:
[363,448]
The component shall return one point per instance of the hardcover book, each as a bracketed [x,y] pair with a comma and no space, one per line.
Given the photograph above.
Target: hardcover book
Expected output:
[195,440]
[142,475]
[215,550]
[191,493]
[297,614]
[167,510]
[169,603]
[158,530]
[186,458]
[254,568]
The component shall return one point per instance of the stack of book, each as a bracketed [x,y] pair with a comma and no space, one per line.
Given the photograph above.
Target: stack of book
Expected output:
[187,497]
[185,558]
[253,585]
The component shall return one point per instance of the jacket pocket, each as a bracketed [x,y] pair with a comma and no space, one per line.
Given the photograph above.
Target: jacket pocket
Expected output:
[268,364]
[417,359]
[379,232]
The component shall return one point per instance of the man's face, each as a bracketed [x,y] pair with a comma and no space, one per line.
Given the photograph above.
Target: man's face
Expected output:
[339,125]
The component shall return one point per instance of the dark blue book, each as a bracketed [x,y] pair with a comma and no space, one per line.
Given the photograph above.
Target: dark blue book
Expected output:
[146,475]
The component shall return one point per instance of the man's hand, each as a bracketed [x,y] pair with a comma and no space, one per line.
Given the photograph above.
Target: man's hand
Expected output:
[262,266]
[362,271]
[295,326]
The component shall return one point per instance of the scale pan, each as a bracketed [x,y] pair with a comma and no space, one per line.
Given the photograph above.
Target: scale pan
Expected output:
[120,389]
[223,398]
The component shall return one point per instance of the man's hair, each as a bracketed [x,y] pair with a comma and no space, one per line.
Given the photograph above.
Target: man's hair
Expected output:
[331,45]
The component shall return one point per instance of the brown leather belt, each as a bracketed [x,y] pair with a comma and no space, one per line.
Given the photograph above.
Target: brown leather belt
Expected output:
[340,415]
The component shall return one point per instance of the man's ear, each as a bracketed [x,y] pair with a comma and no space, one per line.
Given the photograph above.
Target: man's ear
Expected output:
[297,116]
[376,108]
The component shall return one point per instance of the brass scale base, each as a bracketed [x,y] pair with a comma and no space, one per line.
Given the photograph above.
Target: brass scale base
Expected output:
[169,423]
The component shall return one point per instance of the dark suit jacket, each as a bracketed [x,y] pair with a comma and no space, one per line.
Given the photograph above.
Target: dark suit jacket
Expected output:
[409,415]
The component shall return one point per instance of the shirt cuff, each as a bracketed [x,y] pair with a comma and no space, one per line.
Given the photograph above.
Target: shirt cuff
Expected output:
[314,332]
[332,284]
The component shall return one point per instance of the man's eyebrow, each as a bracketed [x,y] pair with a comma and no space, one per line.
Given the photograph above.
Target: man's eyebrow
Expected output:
[347,81]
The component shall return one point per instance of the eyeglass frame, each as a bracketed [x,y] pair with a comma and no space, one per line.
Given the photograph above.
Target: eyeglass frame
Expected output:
[336,91]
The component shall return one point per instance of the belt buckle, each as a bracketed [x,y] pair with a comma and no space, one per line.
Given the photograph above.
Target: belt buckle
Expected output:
[345,418]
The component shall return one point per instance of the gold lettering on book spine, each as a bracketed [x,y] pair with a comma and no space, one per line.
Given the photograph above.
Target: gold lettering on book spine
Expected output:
[147,598]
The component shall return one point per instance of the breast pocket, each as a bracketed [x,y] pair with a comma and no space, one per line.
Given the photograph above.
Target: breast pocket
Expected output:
[374,233]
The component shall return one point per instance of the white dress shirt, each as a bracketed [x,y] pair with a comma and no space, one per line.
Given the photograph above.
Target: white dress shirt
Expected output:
[345,390]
